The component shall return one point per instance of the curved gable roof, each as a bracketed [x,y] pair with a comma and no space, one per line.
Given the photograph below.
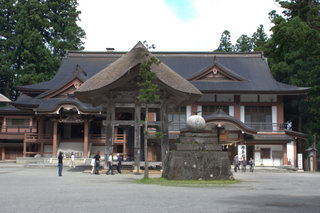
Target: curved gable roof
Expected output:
[105,78]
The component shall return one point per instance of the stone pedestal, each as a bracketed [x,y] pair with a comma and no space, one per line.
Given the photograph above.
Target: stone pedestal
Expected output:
[197,156]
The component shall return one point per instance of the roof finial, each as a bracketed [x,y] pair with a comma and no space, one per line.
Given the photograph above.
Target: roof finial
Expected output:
[139,45]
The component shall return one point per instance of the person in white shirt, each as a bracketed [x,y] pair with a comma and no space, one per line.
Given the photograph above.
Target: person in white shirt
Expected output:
[73,165]
[110,165]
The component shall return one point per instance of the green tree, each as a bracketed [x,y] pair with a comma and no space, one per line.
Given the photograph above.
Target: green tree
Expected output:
[225,43]
[244,44]
[7,47]
[259,39]
[294,57]
[34,36]
[306,10]
[148,93]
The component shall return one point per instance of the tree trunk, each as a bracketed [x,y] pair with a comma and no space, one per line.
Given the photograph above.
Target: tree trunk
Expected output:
[145,133]
[109,131]
[137,140]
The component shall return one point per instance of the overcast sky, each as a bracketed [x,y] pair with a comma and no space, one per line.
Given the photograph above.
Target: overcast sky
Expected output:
[172,25]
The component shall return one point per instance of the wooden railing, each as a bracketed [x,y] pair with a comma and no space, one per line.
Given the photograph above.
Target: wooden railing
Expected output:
[16,129]
[268,126]
[97,138]
[120,138]
[35,138]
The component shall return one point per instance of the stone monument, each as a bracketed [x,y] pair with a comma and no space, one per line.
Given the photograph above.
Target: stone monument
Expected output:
[197,155]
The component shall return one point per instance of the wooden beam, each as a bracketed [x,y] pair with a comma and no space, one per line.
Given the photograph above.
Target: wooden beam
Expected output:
[86,138]
[55,138]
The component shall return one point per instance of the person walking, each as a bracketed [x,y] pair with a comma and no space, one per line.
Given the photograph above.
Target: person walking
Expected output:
[60,163]
[119,163]
[72,161]
[236,163]
[110,165]
[251,163]
[97,163]
[93,163]
[244,165]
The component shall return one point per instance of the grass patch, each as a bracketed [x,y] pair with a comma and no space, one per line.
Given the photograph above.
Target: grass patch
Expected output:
[166,182]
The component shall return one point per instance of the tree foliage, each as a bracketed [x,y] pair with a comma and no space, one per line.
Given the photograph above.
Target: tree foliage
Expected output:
[259,39]
[225,42]
[306,10]
[244,44]
[148,93]
[294,57]
[34,36]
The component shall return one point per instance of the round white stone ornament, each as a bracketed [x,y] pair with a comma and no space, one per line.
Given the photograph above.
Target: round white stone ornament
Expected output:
[196,123]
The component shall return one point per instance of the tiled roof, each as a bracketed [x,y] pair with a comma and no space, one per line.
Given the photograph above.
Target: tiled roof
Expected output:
[251,68]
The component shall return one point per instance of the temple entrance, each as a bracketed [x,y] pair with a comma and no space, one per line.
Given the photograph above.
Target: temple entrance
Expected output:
[250,153]
[124,142]
[70,131]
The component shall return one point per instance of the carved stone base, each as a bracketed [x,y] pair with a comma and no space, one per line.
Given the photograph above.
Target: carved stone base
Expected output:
[195,165]
[197,156]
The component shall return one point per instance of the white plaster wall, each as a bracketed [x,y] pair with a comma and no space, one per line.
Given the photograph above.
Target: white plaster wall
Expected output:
[268,162]
[274,117]
[290,153]
[188,111]
[242,115]
[199,110]
[231,110]
[257,159]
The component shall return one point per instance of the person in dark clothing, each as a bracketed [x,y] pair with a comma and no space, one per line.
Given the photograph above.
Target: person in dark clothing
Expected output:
[244,165]
[60,163]
[119,163]
[236,163]
[251,163]
[97,159]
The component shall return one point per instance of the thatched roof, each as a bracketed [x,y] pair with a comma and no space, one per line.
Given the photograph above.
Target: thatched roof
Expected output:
[107,78]
[4,99]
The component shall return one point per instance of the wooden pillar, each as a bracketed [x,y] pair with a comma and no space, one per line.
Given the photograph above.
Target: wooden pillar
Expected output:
[41,130]
[86,138]
[24,147]
[109,129]
[285,156]
[280,116]
[55,138]
[41,149]
[165,133]
[237,106]
[137,138]
[4,124]
[3,153]
[41,127]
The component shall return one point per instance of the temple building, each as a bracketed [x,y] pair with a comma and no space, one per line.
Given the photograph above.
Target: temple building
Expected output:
[91,106]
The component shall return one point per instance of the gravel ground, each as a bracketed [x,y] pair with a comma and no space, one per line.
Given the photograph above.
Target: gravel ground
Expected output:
[41,190]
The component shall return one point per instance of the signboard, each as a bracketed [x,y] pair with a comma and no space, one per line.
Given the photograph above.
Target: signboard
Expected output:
[300,159]
[242,152]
